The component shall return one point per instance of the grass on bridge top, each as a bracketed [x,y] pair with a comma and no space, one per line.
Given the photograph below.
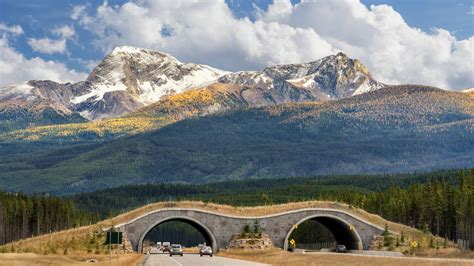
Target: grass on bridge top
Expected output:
[268,210]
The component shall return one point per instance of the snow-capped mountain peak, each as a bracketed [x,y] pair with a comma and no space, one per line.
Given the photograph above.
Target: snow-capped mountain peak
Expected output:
[142,76]
[332,77]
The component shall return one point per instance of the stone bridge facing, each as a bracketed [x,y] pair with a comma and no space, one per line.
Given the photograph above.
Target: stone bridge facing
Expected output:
[218,228]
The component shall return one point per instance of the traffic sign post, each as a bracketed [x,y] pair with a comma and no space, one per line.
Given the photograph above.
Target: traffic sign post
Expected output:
[414,244]
[113,238]
[293,243]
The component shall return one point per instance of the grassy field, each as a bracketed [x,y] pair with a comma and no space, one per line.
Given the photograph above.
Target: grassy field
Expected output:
[278,257]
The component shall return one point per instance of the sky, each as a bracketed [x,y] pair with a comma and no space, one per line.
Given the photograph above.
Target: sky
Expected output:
[400,41]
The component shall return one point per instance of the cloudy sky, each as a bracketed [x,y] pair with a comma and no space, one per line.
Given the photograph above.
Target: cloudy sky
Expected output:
[405,41]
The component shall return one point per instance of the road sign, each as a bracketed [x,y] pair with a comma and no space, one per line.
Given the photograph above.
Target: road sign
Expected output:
[292,242]
[114,238]
[414,244]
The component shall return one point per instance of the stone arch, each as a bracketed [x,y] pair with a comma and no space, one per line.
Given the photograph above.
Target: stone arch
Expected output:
[208,235]
[341,230]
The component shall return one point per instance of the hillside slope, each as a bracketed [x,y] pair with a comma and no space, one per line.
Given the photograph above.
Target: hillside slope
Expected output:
[395,129]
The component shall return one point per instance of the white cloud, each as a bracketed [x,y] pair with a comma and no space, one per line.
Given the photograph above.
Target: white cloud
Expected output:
[14,67]
[64,32]
[51,46]
[201,32]
[78,12]
[207,32]
[392,50]
[15,29]
[48,46]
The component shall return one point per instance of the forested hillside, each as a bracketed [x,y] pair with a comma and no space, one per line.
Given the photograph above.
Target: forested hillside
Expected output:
[254,192]
[397,129]
[22,216]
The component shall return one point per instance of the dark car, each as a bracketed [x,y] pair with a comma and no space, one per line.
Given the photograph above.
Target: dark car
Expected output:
[176,250]
[206,250]
[341,248]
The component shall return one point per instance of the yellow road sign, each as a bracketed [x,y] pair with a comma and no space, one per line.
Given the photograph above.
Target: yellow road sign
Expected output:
[292,241]
[414,244]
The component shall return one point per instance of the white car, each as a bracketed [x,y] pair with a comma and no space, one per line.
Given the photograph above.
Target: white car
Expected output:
[176,249]
[166,247]
[206,250]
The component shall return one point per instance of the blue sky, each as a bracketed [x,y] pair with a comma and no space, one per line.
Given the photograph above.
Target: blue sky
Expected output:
[38,18]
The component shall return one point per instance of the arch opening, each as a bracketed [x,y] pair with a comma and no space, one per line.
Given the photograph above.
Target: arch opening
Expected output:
[179,230]
[326,231]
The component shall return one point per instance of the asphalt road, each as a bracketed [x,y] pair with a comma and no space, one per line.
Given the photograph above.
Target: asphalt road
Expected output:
[194,260]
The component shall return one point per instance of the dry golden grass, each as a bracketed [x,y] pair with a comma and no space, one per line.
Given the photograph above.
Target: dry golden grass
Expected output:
[76,240]
[278,257]
[21,259]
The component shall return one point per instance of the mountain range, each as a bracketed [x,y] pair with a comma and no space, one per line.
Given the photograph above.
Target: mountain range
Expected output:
[143,116]
[130,78]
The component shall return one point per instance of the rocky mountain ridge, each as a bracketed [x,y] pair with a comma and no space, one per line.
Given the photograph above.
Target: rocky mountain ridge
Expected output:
[131,78]
[330,78]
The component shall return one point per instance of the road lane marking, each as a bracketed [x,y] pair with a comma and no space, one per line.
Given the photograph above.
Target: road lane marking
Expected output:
[213,261]
[171,258]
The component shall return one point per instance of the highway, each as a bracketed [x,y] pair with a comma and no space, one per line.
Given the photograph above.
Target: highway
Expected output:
[160,259]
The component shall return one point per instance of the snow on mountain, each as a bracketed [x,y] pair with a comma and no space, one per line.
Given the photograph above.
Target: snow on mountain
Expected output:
[332,77]
[468,90]
[139,76]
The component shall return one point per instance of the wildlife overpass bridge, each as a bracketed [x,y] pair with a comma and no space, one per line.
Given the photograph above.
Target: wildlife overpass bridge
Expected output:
[218,229]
